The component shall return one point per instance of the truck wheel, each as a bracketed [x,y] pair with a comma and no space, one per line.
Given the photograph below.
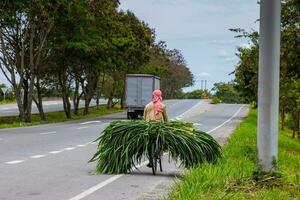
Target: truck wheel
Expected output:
[129,115]
[140,113]
[132,115]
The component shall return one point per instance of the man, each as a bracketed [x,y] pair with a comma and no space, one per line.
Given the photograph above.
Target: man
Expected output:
[156,110]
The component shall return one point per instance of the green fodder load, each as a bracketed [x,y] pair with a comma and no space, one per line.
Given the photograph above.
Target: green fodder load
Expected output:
[123,144]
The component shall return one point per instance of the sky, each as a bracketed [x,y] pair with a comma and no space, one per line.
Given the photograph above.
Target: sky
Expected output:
[199,28]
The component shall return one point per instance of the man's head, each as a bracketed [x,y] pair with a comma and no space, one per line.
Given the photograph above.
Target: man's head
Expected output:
[157,95]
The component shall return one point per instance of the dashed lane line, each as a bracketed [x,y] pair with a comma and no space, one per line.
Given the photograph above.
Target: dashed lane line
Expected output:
[83,127]
[69,148]
[37,156]
[83,145]
[51,152]
[48,133]
[90,122]
[56,152]
[13,162]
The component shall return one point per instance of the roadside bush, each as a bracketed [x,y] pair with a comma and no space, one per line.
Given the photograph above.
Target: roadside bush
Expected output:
[215,100]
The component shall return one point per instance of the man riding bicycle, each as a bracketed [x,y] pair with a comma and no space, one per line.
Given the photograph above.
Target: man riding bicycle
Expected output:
[155,111]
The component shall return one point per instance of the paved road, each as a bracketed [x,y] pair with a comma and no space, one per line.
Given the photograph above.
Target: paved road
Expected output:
[50,162]
[49,106]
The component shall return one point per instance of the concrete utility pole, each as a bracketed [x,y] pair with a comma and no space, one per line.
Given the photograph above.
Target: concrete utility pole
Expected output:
[201,84]
[268,83]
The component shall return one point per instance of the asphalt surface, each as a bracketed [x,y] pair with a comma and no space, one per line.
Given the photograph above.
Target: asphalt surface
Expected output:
[49,162]
[49,106]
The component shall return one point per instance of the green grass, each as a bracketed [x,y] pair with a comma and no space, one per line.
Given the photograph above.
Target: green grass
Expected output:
[231,177]
[7,102]
[215,100]
[56,117]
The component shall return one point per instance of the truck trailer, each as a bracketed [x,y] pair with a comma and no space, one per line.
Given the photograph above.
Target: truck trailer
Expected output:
[139,88]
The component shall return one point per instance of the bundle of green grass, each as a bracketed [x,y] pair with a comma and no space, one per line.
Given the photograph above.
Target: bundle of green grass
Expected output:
[123,144]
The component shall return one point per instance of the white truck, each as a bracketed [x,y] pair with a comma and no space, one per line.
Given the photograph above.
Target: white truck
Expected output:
[139,88]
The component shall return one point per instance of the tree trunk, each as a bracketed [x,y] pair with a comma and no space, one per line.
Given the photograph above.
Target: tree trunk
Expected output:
[29,99]
[67,106]
[92,79]
[38,104]
[65,94]
[39,101]
[97,100]
[111,96]
[76,98]
[18,96]
[87,105]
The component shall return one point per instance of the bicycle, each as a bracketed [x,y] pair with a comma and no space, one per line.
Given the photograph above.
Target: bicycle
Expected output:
[156,157]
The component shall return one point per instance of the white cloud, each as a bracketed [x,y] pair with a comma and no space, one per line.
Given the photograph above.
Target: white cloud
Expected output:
[222,53]
[200,29]
[222,42]
[204,74]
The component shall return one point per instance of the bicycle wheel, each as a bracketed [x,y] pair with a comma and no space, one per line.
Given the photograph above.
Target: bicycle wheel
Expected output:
[159,155]
[153,159]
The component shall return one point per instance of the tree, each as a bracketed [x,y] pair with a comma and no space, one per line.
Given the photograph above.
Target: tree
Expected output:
[226,92]
[246,72]
[24,28]
[171,67]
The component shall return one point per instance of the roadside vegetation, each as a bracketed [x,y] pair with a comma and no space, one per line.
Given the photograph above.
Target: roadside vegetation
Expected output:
[234,177]
[59,116]
[7,102]
[79,50]
[243,89]
[215,100]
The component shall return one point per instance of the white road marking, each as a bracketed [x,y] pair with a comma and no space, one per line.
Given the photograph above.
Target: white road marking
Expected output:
[69,148]
[83,127]
[83,145]
[56,152]
[90,122]
[233,116]
[37,156]
[47,133]
[14,162]
[101,185]
[192,108]
[197,124]
[115,177]
[96,187]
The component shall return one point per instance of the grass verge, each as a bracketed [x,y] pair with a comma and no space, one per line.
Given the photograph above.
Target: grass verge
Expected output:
[232,176]
[56,117]
[7,102]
